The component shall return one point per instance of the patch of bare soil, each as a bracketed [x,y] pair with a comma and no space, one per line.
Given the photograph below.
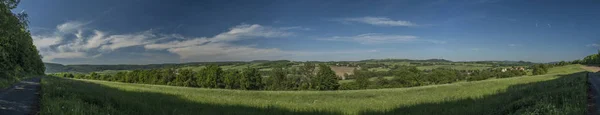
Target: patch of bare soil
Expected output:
[340,70]
[591,68]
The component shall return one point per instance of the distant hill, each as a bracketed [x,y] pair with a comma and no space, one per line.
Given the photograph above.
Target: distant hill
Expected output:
[405,60]
[57,68]
[84,68]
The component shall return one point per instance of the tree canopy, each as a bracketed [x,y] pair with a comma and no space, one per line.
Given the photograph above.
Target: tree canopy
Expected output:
[18,55]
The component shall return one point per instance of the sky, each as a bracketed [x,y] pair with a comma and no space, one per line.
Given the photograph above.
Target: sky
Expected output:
[179,31]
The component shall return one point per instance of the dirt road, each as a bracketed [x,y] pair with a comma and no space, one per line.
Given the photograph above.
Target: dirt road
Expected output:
[20,99]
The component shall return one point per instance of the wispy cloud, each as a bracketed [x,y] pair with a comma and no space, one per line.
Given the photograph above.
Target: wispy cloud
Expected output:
[380,21]
[375,38]
[593,45]
[513,45]
[219,47]
[75,40]
[296,28]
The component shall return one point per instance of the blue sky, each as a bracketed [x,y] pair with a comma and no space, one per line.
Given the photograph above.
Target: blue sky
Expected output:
[154,31]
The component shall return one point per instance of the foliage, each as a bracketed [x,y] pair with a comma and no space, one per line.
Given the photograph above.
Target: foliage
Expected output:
[251,79]
[18,56]
[540,69]
[410,76]
[325,79]
[231,79]
[362,78]
[278,79]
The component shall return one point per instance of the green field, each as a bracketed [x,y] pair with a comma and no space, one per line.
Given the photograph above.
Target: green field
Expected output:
[457,67]
[370,79]
[561,91]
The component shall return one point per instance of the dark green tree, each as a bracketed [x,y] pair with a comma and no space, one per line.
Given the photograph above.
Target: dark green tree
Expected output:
[232,79]
[278,79]
[251,79]
[325,79]
[362,78]
[18,56]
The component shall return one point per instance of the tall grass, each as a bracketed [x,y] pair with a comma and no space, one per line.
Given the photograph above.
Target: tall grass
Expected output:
[560,92]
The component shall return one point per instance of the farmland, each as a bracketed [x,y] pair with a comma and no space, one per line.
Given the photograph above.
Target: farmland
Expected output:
[561,91]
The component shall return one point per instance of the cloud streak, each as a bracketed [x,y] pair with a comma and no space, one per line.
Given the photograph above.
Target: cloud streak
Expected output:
[76,40]
[220,48]
[376,38]
[593,45]
[380,21]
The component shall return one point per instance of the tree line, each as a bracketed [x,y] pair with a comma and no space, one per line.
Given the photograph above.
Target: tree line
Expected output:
[590,59]
[410,76]
[18,56]
[309,77]
[306,77]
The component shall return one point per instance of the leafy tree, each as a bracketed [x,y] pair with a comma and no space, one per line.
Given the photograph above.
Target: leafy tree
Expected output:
[381,82]
[211,77]
[540,69]
[251,79]
[308,73]
[325,79]
[185,78]
[362,78]
[94,75]
[168,76]
[232,79]
[278,79]
[18,55]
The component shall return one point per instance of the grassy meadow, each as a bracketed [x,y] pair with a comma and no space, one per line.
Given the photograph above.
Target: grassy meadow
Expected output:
[561,91]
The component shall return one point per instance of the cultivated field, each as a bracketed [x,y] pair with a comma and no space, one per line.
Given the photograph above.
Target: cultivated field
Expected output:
[340,70]
[561,91]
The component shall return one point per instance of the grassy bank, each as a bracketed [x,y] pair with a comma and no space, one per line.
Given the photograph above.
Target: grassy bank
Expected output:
[562,91]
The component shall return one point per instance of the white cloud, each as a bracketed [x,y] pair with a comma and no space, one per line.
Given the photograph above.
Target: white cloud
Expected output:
[75,40]
[70,26]
[220,48]
[375,38]
[249,31]
[380,21]
[55,55]
[45,41]
[60,44]
[128,40]
[97,40]
[177,44]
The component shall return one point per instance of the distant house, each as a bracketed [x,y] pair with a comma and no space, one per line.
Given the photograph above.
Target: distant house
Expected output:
[513,68]
[520,68]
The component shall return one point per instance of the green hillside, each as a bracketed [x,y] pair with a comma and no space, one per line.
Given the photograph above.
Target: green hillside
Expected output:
[561,91]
